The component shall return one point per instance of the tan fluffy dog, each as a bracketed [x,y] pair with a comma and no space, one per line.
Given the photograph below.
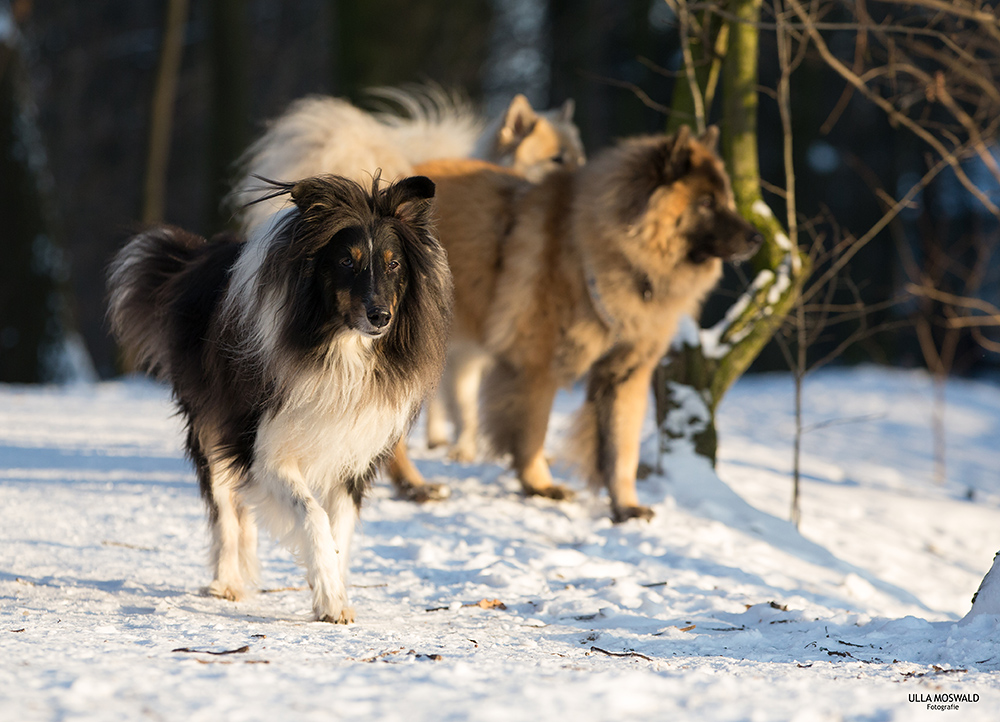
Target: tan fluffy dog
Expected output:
[584,273]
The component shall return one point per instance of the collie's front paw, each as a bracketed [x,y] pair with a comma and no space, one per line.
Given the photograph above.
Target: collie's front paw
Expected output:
[344,616]
[329,601]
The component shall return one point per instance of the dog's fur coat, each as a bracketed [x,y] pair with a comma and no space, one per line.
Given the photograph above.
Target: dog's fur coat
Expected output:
[584,273]
[298,358]
[321,134]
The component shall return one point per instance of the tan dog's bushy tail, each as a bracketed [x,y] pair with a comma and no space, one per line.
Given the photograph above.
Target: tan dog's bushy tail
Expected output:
[579,448]
[501,406]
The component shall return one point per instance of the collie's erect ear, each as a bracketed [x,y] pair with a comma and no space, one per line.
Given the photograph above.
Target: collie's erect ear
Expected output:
[410,200]
[323,191]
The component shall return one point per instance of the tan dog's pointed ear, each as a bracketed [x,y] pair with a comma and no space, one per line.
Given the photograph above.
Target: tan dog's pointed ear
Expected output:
[567,110]
[518,122]
[680,152]
[710,138]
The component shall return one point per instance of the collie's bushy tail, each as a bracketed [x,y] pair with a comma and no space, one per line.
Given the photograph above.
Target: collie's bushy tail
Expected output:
[138,283]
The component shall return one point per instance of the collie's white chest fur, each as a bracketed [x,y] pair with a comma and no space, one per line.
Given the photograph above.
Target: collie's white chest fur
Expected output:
[335,421]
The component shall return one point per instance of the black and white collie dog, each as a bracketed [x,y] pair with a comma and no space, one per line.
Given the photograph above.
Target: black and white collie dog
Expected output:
[298,358]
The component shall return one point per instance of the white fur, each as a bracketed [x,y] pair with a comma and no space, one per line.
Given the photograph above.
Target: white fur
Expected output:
[319,135]
[304,456]
[234,538]
[255,311]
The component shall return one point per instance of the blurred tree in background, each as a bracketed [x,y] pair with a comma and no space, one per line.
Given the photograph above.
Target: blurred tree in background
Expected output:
[33,312]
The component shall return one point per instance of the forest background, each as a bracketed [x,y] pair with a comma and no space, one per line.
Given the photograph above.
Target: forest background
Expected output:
[77,87]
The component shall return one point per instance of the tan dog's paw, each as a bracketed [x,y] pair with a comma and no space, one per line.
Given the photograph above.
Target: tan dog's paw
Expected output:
[436,440]
[555,491]
[422,493]
[620,514]
[463,453]
[224,590]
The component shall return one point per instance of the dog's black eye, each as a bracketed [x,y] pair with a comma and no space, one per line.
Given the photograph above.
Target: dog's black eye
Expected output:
[706,202]
[347,262]
[393,265]
[559,159]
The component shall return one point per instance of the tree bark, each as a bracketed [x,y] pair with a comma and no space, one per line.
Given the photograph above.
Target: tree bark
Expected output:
[230,113]
[162,112]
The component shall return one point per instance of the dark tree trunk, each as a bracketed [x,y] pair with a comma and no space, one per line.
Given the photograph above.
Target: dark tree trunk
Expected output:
[230,126]
[162,112]
[31,305]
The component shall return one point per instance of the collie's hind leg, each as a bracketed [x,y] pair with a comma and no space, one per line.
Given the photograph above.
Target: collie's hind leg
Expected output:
[229,529]
[249,564]
[218,482]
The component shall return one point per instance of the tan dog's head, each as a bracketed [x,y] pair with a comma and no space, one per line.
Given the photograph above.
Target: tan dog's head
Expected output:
[675,191]
[535,144]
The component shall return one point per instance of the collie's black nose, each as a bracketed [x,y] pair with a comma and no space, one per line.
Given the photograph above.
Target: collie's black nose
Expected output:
[379,317]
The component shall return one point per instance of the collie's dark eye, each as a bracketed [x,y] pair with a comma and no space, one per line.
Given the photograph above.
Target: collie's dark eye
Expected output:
[706,202]
[347,262]
[393,265]
[559,159]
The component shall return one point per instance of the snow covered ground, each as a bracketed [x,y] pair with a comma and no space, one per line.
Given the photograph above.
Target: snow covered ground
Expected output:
[716,610]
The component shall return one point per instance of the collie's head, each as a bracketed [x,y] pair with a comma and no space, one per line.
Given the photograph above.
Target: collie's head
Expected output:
[343,260]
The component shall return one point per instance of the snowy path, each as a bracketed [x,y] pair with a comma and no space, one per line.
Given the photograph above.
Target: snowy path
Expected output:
[716,610]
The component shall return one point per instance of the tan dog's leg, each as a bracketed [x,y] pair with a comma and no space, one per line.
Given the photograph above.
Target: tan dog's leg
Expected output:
[619,390]
[535,400]
[409,482]
[436,412]
[467,366]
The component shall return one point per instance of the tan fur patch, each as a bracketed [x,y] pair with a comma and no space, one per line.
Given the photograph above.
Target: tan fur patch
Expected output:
[581,272]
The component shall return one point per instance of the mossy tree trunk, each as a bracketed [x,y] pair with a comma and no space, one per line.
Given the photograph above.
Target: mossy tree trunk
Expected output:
[702,365]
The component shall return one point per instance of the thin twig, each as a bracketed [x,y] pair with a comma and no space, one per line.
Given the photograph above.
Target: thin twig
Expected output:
[621,654]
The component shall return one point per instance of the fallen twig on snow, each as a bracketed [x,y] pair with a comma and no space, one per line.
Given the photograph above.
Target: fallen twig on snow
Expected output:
[241,650]
[621,654]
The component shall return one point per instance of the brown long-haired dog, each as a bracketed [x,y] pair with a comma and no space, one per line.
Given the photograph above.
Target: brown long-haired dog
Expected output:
[583,273]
